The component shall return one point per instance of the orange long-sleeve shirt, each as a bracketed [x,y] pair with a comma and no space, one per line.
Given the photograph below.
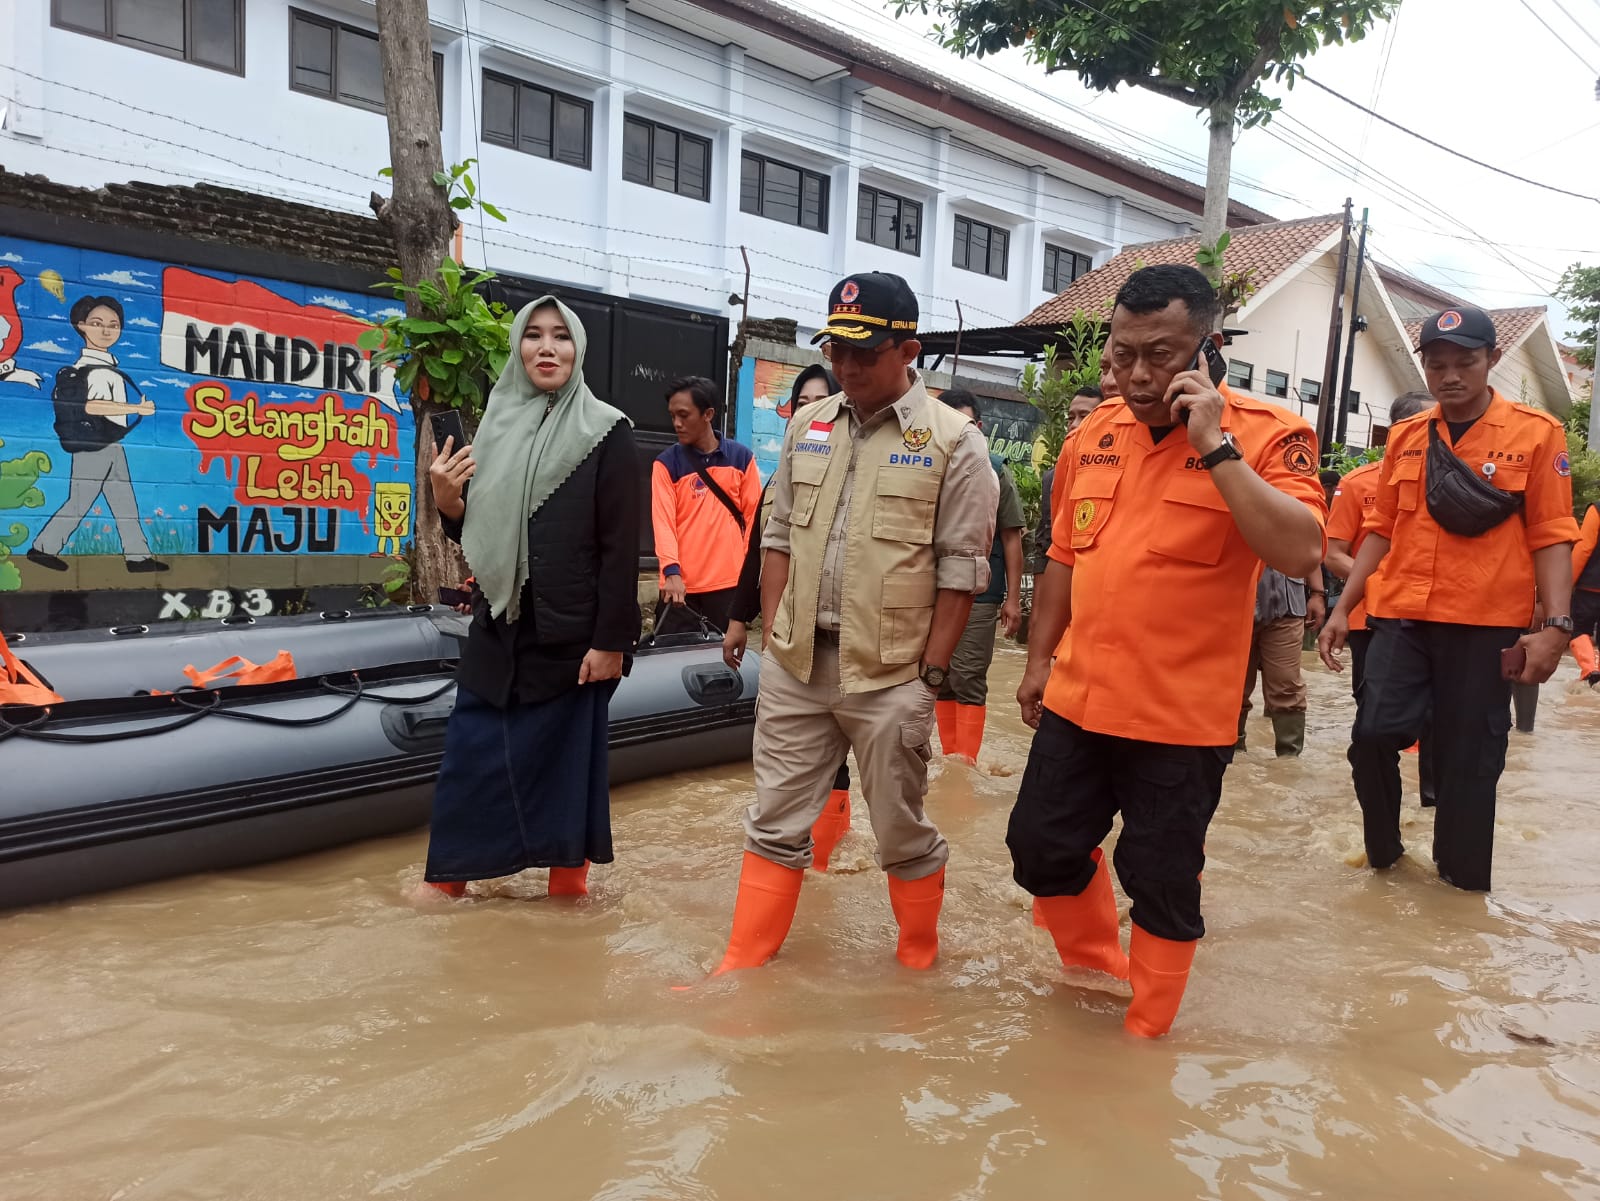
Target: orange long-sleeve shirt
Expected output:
[696,536]
[1585,567]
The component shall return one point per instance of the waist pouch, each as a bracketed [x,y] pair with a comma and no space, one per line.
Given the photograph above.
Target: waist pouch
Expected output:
[1457,498]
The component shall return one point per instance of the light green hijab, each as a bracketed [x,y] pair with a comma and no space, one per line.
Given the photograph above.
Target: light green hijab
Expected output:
[524,456]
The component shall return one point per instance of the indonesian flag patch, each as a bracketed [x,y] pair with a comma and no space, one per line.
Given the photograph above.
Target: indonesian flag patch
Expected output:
[819,431]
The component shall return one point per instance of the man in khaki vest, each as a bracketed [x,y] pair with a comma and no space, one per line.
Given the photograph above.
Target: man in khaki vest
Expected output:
[883,511]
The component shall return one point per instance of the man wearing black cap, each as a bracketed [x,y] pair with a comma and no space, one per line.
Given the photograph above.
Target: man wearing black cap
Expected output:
[1472,524]
[883,511]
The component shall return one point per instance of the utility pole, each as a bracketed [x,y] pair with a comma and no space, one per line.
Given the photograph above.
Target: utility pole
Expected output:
[736,351]
[1330,368]
[1350,347]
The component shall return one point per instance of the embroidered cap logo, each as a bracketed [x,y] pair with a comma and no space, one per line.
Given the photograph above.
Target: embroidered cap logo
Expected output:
[849,292]
[1448,320]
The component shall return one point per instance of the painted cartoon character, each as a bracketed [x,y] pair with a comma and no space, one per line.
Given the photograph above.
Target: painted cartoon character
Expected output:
[11,332]
[392,503]
[94,413]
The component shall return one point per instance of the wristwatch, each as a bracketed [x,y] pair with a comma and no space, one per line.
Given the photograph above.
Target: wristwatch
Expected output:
[1228,450]
[933,677]
[1564,624]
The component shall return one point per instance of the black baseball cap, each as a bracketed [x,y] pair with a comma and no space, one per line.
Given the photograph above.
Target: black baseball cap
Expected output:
[1467,327]
[867,310]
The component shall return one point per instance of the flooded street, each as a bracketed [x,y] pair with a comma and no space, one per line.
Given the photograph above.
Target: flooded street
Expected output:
[308,1030]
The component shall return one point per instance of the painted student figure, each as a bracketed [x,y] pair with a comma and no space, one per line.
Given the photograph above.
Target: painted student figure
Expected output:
[94,413]
[551,533]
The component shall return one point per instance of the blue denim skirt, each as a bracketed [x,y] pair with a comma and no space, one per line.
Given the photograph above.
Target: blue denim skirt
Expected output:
[522,787]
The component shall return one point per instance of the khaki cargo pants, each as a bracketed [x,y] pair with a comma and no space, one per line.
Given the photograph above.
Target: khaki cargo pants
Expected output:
[803,731]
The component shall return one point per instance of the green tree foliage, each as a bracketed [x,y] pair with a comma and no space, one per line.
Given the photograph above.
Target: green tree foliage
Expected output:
[1579,286]
[1214,57]
[1071,363]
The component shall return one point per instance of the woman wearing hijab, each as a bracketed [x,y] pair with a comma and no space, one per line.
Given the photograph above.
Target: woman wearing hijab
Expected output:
[811,385]
[551,532]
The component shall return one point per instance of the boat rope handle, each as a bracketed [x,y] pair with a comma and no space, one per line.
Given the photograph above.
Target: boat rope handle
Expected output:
[213,707]
[31,729]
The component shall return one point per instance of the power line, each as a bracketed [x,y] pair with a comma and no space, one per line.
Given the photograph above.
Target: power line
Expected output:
[1441,146]
[1583,29]
[1573,49]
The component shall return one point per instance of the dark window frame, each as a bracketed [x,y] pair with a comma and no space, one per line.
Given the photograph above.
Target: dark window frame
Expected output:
[1352,402]
[109,34]
[763,161]
[902,204]
[1310,390]
[1283,386]
[1053,255]
[961,251]
[339,29]
[557,98]
[1249,375]
[653,127]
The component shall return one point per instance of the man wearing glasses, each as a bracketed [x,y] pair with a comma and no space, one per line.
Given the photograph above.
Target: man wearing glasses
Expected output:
[883,512]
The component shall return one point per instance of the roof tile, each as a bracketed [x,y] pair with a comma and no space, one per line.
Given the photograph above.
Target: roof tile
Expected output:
[1266,250]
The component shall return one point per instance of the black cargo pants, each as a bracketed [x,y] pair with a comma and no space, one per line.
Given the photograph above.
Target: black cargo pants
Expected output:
[1422,675]
[1076,781]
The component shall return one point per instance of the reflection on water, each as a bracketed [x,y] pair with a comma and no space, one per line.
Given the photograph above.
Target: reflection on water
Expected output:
[308,1030]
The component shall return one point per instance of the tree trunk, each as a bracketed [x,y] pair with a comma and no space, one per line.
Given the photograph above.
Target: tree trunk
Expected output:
[1219,169]
[418,218]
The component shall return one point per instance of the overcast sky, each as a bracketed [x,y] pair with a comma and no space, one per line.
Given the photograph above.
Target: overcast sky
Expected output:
[1481,76]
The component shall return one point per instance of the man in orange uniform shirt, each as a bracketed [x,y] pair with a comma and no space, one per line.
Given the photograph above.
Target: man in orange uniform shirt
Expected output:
[1472,525]
[1356,495]
[704,495]
[1152,510]
[1586,597]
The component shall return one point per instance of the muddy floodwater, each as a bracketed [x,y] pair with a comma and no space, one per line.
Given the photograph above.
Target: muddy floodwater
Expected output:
[309,1030]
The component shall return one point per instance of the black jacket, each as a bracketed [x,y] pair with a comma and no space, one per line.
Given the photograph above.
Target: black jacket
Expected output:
[582,589]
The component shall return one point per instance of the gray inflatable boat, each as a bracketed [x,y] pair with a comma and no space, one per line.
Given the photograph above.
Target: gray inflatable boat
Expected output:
[122,789]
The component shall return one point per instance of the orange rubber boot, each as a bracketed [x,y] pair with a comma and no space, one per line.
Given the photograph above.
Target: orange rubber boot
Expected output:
[763,912]
[945,713]
[969,731]
[570,881]
[1160,972]
[1588,662]
[1084,927]
[830,828]
[450,888]
[916,905]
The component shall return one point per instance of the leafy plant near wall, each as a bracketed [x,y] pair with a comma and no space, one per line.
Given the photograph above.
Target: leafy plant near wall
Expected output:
[19,480]
[1071,363]
[1344,460]
[1030,491]
[1585,472]
[457,345]
[448,346]
[1233,290]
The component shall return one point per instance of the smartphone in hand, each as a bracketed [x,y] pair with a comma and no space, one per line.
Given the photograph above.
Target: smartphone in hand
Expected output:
[1513,662]
[1216,368]
[455,596]
[448,425]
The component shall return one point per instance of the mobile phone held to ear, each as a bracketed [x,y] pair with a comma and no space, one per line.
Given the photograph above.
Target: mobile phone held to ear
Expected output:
[1513,662]
[448,425]
[1216,367]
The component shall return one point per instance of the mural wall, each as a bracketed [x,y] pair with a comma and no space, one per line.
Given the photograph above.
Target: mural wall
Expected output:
[155,417]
